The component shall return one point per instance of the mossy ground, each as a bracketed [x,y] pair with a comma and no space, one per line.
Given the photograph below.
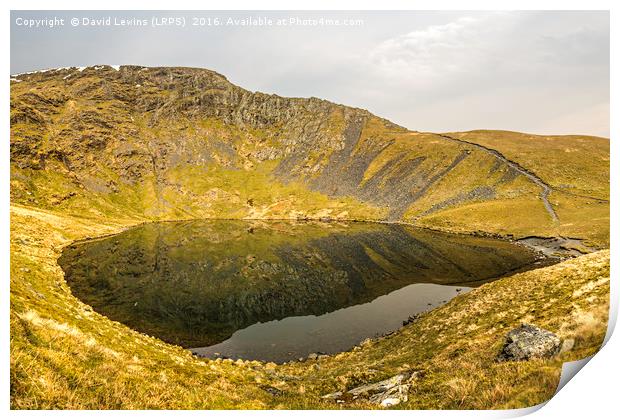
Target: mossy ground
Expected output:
[64,355]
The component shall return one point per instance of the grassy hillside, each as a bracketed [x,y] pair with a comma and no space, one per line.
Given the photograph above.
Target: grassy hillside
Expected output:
[576,169]
[64,355]
[96,150]
[571,164]
[178,143]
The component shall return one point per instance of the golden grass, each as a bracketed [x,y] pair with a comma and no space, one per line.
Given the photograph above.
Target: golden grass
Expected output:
[111,172]
[580,218]
[64,355]
[521,216]
[576,164]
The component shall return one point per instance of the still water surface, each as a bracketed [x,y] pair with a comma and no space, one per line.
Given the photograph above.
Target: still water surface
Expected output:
[278,290]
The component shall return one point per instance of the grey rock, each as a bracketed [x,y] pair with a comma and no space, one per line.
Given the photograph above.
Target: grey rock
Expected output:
[333,396]
[411,318]
[529,342]
[317,356]
[388,402]
[386,393]
[365,342]
[556,247]
[271,390]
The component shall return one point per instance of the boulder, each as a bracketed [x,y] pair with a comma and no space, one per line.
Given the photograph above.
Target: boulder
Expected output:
[529,342]
[386,393]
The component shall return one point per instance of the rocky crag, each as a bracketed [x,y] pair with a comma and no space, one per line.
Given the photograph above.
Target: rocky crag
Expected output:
[174,143]
[97,150]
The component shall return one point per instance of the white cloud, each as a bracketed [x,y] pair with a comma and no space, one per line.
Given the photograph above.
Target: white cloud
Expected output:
[429,71]
[519,71]
[432,54]
[592,119]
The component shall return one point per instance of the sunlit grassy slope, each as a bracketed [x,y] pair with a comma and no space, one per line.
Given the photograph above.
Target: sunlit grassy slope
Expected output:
[96,150]
[575,167]
[178,143]
[64,355]
[572,164]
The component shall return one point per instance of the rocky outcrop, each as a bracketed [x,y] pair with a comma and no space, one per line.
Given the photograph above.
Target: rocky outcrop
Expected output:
[529,342]
[386,393]
[140,137]
[558,247]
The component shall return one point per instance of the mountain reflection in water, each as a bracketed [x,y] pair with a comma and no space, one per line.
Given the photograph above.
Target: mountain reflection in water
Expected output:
[277,290]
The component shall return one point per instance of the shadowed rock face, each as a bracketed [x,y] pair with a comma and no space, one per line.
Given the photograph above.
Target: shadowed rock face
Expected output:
[195,283]
[180,142]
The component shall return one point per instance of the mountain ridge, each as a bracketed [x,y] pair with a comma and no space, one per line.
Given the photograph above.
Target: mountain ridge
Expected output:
[177,142]
[93,154]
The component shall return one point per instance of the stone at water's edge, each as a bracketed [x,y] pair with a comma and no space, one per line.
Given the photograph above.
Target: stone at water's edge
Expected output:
[529,342]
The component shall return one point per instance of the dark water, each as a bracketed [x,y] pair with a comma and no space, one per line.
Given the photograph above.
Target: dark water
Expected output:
[278,290]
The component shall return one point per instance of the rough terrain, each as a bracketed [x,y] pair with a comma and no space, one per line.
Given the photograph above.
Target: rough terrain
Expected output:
[65,355]
[96,150]
[178,143]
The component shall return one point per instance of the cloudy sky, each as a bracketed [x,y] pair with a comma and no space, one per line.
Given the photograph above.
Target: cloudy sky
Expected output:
[539,72]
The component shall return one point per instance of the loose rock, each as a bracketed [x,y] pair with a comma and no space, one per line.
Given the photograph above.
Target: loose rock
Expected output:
[317,356]
[529,342]
[365,342]
[271,390]
[388,402]
[410,319]
[386,393]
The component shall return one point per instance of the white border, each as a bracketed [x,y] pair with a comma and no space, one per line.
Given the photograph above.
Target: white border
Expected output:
[312,5]
[593,394]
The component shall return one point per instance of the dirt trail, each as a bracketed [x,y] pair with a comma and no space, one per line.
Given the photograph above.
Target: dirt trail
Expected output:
[545,188]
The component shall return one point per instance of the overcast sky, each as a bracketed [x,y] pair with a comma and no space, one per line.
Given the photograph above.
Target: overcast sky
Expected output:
[539,72]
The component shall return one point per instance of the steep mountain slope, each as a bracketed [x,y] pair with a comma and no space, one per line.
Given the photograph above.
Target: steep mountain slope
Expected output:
[170,143]
[575,165]
[97,150]
[571,171]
